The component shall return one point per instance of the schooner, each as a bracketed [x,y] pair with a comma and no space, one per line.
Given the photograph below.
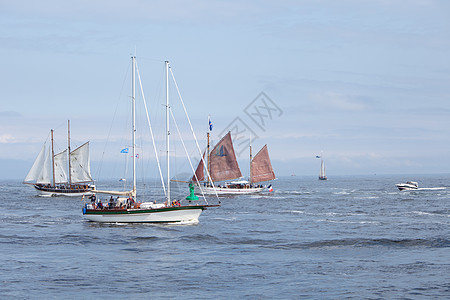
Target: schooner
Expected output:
[67,173]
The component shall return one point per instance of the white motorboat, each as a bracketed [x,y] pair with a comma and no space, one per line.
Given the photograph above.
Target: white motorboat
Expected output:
[409,185]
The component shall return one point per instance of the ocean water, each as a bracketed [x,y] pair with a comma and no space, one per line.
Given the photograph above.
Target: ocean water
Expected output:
[349,237]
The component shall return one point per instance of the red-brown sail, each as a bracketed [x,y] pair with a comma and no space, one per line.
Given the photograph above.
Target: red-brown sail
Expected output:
[223,161]
[199,173]
[261,168]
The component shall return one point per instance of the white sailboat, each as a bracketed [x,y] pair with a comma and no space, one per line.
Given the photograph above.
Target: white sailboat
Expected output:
[129,208]
[64,174]
[322,174]
[223,167]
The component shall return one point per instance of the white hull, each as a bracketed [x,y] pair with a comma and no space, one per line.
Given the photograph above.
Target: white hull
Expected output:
[185,216]
[406,188]
[229,191]
[410,185]
[56,194]
[69,192]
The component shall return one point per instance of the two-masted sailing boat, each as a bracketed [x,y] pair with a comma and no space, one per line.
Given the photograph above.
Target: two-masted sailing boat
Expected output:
[223,166]
[64,174]
[128,208]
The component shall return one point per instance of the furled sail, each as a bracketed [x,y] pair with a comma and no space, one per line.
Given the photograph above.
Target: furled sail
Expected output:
[223,161]
[45,176]
[36,169]
[261,168]
[80,164]
[199,173]
[61,167]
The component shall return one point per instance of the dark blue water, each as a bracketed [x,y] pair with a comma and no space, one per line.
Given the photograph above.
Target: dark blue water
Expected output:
[348,237]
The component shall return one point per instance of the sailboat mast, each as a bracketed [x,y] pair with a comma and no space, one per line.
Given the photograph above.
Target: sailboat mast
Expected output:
[133,109]
[168,132]
[250,159]
[68,149]
[53,161]
[208,162]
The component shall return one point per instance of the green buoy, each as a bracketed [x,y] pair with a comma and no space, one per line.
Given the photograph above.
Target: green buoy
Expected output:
[191,196]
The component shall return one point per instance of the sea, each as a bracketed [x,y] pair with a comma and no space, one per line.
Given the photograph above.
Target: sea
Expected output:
[350,237]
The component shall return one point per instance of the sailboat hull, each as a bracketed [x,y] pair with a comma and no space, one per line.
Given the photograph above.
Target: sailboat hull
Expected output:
[63,191]
[176,214]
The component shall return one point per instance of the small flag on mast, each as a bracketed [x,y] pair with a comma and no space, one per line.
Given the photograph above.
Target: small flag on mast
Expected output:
[210,124]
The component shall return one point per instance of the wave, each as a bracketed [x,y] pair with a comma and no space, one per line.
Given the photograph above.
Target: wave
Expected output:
[146,238]
[349,222]
[425,213]
[381,242]
[295,192]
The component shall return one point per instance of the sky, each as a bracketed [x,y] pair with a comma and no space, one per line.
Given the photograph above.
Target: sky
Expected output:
[363,83]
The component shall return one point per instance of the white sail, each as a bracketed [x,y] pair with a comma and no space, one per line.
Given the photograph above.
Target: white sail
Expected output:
[45,176]
[322,170]
[61,167]
[80,164]
[36,169]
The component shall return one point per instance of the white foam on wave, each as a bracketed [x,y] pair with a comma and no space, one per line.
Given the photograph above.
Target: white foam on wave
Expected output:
[344,192]
[295,211]
[225,219]
[348,222]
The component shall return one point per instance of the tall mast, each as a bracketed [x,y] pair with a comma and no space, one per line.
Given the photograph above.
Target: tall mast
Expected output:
[133,109]
[168,132]
[68,148]
[53,161]
[251,179]
[208,162]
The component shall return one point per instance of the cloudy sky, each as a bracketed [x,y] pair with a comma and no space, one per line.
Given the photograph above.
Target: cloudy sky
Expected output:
[366,82]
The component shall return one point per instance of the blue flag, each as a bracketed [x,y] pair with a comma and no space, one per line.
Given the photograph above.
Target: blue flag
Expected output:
[210,124]
[317,156]
[124,150]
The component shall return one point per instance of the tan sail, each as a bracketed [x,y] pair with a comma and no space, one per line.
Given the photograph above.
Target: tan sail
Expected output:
[261,168]
[199,173]
[223,161]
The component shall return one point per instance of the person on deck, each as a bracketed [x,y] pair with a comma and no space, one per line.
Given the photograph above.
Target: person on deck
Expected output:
[111,203]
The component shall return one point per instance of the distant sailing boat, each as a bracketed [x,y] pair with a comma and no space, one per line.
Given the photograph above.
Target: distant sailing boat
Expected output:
[128,209]
[322,174]
[64,174]
[223,166]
